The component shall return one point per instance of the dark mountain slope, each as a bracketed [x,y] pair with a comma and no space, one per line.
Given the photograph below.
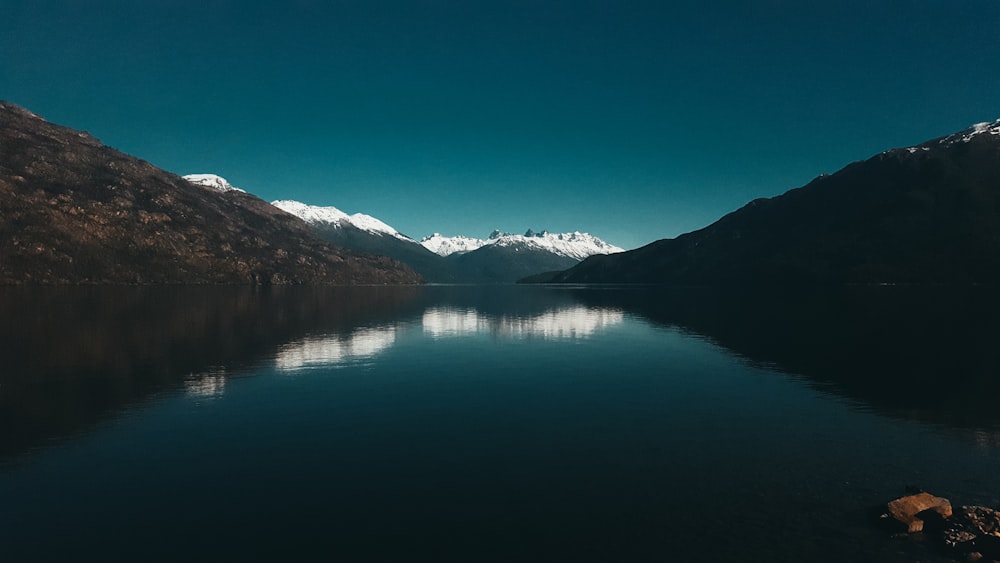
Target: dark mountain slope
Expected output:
[75,211]
[491,264]
[504,264]
[430,266]
[925,214]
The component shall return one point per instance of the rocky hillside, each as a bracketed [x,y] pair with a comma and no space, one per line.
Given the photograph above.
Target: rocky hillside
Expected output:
[75,211]
[923,214]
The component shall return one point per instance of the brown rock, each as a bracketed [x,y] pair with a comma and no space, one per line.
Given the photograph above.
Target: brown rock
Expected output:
[905,509]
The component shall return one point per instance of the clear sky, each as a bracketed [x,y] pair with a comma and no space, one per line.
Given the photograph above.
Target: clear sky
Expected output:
[633,121]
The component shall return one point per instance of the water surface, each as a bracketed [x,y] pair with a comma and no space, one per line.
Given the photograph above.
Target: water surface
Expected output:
[487,423]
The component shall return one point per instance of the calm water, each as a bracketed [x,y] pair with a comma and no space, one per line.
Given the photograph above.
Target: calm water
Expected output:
[487,424]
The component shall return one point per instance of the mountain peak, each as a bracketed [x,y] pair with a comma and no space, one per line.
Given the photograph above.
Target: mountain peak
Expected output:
[446,246]
[312,214]
[14,108]
[331,217]
[212,181]
[574,245]
[978,130]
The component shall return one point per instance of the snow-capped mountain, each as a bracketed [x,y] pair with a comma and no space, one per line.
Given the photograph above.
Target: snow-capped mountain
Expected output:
[501,258]
[574,245]
[963,136]
[333,217]
[364,233]
[446,246]
[966,135]
[212,181]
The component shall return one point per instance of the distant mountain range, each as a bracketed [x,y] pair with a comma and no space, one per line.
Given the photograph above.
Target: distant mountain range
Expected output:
[571,245]
[75,211]
[929,213]
[501,258]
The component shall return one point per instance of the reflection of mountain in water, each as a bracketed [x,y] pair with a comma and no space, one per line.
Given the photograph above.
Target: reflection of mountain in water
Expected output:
[921,353]
[570,322]
[334,349]
[74,356]
[210,383]
[441,322]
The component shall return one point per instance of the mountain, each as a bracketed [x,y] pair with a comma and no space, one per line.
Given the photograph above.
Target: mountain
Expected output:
[571,245]
[502,258]
[506,263]
[929,213]
[75,211]
[336,219]
[217,183]
[364,233]
[505,257]
[446,246]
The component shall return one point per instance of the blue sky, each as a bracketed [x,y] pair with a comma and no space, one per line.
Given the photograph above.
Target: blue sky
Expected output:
[631,120]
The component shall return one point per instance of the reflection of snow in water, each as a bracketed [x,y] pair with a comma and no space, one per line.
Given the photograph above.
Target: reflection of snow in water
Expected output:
[572,322]
[334,349]
[208,384]
[576,322]
[440,322]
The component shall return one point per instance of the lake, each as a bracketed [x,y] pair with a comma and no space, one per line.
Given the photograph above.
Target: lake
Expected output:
[502,423]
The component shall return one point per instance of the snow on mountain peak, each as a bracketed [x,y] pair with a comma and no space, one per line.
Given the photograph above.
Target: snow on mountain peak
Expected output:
[966,135]
[963,136]
[333,217]
[212,181]
[993,128]
[575,245]
[311,213]
[451,245]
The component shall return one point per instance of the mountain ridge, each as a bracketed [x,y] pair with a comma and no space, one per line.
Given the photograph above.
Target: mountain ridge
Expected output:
[502,258]
[74,211]
[335,218]
[929,213]
[572,245]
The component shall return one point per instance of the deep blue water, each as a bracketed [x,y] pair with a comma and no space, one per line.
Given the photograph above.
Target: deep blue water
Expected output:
[487,423]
